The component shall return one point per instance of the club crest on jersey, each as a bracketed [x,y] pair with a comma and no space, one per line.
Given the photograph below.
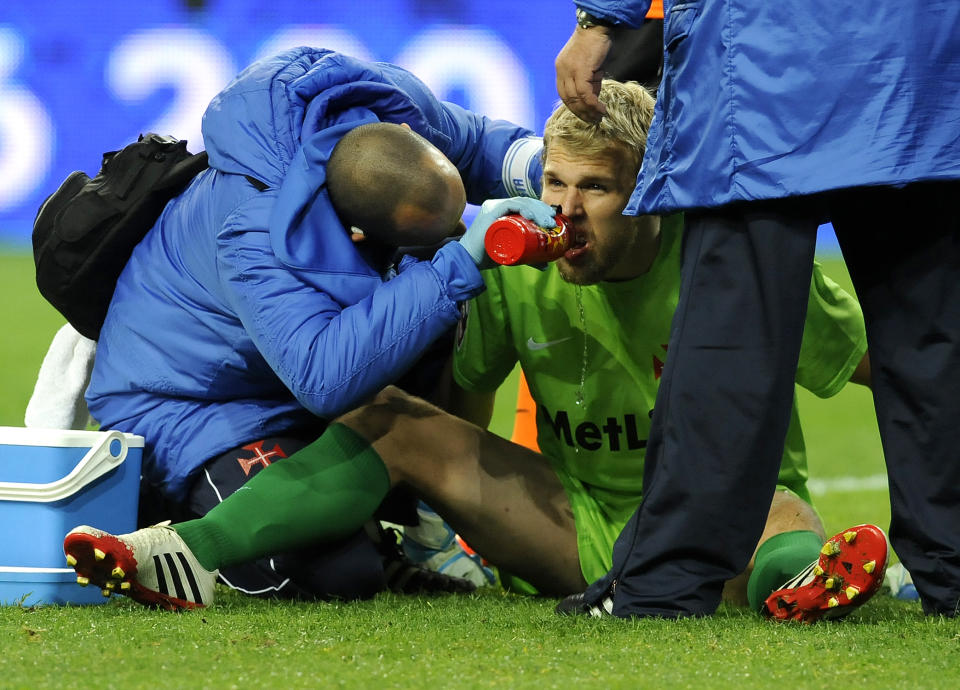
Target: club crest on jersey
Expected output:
[260,457]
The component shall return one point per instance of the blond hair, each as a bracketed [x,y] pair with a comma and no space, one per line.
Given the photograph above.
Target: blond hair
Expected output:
[625,125]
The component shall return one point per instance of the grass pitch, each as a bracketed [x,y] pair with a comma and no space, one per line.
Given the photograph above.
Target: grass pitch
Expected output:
[489,639]
[486,640]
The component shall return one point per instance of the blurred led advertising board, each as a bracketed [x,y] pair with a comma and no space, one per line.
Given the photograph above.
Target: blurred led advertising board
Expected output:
[78,79]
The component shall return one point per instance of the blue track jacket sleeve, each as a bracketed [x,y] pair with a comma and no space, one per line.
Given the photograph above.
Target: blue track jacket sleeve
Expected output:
[496,158]
[333,356]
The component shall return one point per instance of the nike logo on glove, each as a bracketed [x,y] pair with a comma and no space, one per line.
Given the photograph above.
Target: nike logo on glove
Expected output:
[534,345]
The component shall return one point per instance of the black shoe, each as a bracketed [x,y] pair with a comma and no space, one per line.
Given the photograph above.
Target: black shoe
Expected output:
[577,605]
[406,577]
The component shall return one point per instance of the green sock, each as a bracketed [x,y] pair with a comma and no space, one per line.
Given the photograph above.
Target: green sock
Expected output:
[325,491]
[778,559]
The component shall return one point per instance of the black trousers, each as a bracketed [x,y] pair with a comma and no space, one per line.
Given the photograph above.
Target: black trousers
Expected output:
[902,247]
[723,406]
[350,568]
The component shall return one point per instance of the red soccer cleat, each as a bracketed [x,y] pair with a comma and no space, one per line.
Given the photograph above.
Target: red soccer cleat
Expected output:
[849,571]
[152,566]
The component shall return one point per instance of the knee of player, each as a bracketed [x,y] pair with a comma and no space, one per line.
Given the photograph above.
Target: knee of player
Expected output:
[377,414]
[789,512]
[391,419]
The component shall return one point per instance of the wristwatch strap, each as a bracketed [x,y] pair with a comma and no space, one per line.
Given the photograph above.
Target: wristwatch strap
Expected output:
[585,20]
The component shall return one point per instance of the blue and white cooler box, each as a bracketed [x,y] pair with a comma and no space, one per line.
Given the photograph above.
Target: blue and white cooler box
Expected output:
[52,480]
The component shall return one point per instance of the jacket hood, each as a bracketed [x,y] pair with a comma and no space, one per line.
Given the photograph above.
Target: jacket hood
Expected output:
[279,121]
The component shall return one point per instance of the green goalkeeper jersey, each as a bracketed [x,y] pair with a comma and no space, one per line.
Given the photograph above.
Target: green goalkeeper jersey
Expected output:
[593,356]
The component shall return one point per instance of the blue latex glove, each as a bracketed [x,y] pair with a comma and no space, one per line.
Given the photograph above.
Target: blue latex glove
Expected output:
[534,209]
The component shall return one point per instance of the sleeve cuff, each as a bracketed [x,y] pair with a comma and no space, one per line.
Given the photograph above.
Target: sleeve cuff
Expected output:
[522,168]
[458,272]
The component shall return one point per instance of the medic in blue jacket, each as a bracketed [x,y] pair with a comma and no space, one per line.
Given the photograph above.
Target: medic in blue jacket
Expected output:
[772,118]
[247,310]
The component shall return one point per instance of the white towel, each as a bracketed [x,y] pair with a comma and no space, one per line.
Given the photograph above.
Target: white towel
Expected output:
[57,401]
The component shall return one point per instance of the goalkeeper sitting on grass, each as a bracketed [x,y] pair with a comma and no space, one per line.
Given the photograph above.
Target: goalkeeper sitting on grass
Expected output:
[589,333]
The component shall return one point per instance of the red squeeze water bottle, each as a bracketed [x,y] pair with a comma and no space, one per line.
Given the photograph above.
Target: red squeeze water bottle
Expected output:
[513,239]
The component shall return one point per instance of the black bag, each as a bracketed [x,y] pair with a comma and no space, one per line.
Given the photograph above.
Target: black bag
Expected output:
[85,232]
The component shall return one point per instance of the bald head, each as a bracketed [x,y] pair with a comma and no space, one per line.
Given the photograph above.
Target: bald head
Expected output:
[394,185]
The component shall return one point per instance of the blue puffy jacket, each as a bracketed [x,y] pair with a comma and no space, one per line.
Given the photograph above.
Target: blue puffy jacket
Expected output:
[245,313]
[765,99]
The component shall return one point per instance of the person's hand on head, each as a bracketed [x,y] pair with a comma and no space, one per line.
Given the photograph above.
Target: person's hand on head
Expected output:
[540,213]
[579,72]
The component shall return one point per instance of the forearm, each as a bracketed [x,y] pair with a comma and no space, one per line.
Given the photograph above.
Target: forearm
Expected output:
[332,357]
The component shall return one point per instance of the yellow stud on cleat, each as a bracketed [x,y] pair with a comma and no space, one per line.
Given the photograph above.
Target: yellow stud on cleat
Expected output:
[105,592]
[83,581]
[124,586]
[869,566]
[830,583]
[830,549]
[833,602]
[99,555]
[71,561]
[817,570]
[117,573]
[851,592]
[109,584]
[849,536]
